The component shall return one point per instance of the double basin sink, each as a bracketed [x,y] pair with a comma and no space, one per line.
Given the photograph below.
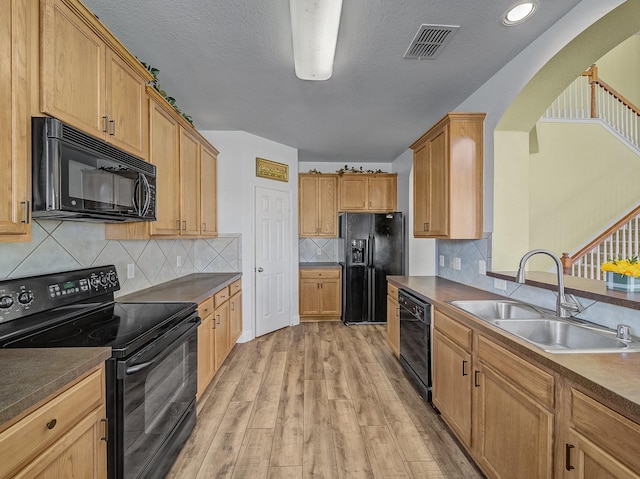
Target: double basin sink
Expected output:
[546,331]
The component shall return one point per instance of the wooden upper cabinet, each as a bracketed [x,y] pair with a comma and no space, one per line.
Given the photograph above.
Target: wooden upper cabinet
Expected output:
[89,80]
[163,152]
[208,192]
[368,192]
[318,205]
[15,161]
[447,178]
[189,184]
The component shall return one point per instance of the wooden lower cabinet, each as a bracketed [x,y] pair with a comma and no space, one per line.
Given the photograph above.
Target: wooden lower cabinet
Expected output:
[65,437]
[320,294]
[393,319]
[598,442]
[452,385]
[220,329]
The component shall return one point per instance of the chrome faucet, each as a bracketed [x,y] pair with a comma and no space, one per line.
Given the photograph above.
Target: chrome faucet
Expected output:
[564,307]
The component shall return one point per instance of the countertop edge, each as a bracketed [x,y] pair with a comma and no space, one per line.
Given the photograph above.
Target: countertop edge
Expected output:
[553,362]
[85,360]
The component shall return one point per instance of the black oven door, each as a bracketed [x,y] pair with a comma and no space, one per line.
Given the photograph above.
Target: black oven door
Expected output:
[155,398]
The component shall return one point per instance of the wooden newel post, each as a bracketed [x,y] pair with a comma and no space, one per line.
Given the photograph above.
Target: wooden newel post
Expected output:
[566,263]
[593,80]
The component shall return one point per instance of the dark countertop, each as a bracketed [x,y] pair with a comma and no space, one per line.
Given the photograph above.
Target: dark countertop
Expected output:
[613,377]
[31,375]
[192,288]
[318,265]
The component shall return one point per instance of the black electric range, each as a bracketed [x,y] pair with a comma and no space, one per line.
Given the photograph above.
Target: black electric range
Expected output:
[151,377]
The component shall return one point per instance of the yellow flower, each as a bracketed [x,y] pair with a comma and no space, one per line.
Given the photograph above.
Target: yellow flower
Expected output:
[626,267]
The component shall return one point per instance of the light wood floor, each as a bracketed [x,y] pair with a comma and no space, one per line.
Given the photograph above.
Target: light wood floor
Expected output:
[318,400]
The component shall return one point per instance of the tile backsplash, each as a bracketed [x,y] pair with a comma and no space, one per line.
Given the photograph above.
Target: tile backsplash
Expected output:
[318,250]
[66,245]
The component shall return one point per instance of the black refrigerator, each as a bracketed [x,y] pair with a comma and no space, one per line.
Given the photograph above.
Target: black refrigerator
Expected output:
[371,247]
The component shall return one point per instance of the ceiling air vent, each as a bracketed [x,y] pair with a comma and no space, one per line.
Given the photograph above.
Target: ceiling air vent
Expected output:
[429,41]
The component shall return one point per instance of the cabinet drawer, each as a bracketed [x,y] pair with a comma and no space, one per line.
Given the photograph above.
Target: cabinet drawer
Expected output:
[319,273]
[38,430]
[392,291]
[205,308]
[530,378]
[221,296]
[459,333]
[235,287]
[609,430]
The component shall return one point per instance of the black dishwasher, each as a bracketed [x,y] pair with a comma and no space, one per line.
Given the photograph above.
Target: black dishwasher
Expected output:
[415,340]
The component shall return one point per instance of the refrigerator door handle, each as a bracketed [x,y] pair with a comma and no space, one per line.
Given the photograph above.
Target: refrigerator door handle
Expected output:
[370,247]
[371,313]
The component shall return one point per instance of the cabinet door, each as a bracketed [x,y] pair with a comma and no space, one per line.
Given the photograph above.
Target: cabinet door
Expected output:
[309,297]
[328,206]
[206,357]
[438,184]
[72,69]
[15,164]
[208,193]
[308,203]
[513,433]
[163,135]
[82,452]
[221,316]
[585,460]
[420,192]
[393,325]
[452,373]
[354,191]
[126,106]
[383,193]
[330,294]
[235,304]
[189,184]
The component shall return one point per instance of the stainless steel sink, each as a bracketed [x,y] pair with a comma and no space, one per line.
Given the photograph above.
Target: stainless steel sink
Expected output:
[545,330]
[561,336]
[498,309]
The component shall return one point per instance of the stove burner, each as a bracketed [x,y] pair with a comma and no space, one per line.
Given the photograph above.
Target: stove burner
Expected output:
[54,336]
[113,332]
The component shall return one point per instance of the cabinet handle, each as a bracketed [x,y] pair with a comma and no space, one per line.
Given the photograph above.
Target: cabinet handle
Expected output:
[233,305]
[184,224]
[567,452]
[476,376]
[218,316]
[51,424]
[27,212]
[426,226]
[106,124]
[204,226]
[113,128]
[464,372]
[105,438]
[213,323]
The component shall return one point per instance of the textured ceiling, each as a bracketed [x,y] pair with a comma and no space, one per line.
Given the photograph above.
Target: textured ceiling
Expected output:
[229,64]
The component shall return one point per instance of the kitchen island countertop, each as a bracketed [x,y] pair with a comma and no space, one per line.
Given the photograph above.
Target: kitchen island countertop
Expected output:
[613,377]
[194,288]
[29,376]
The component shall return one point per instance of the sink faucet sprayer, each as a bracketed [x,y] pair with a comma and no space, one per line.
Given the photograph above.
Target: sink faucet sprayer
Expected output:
[563,307]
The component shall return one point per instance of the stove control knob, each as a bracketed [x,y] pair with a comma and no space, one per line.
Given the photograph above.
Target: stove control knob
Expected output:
[25,297]
[95,282]
[104,280]
[113,279]
[6,302]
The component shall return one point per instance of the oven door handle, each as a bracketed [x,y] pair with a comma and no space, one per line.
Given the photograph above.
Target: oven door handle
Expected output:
[136,368]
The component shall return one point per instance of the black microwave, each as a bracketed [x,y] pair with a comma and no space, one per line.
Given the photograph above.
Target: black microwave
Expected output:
[79,177]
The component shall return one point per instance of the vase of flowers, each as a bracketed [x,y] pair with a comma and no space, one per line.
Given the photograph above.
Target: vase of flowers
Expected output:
[623,274]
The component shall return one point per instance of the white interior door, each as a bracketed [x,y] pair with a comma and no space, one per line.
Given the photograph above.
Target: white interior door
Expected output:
[273,260]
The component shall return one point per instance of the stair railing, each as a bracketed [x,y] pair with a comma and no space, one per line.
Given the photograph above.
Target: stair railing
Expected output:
[622,239]
[589,97]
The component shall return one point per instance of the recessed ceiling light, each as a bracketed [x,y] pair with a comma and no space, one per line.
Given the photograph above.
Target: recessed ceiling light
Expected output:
[519,13]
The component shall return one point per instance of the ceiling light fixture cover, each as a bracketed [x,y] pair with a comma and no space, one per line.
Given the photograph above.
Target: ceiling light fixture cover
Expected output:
[519,13]
[314,25]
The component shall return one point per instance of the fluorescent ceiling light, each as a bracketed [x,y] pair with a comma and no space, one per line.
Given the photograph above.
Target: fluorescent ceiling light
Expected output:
[314,25]
[519,13]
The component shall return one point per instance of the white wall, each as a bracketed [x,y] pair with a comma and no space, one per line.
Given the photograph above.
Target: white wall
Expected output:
[236,206]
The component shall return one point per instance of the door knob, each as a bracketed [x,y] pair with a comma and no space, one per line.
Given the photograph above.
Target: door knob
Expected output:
[260,270]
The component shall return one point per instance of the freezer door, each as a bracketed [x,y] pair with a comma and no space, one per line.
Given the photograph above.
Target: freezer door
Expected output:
[355,294]
[386,246]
